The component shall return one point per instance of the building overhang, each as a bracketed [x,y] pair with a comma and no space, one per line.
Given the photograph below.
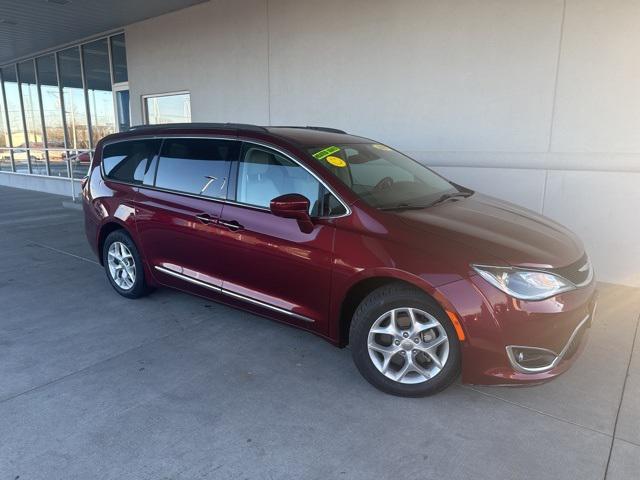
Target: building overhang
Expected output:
[27,28]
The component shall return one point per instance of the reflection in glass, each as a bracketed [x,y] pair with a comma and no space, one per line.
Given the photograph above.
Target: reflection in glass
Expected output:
[51,104]
[58,163]
[12,95]
[30,103]
[5,154]
[38,161]
[73,96]
[80,162]
[20,160]
[52,111]
[119,58]
[123,109]
[32,118]
[174,108]
[98,79]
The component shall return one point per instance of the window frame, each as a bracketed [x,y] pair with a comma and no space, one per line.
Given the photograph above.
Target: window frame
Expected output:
[235,164]
[231,162]
[145,97]
[248,145]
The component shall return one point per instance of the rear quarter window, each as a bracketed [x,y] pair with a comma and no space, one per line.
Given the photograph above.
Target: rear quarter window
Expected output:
[128,161]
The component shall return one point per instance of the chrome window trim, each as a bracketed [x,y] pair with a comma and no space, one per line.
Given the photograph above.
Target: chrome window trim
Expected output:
[232,294]
[559,356]
[219,200]
[311,172]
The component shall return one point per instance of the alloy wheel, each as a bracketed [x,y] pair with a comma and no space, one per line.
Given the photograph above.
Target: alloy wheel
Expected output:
[408,345]
[122,266]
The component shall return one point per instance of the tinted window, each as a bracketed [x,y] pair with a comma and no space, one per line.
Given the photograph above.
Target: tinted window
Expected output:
[129,161]
[264,174]
[119,58]
[198,166]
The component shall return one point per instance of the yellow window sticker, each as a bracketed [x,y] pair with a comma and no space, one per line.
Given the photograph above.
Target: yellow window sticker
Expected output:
[381,147]
[325,152]
[336,161]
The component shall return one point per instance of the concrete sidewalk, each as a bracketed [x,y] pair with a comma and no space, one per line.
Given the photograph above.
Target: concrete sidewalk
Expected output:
[174,387]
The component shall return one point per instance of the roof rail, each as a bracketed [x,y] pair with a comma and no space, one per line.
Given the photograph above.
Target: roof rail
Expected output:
[179,126]
[320,129]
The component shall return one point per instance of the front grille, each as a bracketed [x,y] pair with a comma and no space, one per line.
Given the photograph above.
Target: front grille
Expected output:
[577,273]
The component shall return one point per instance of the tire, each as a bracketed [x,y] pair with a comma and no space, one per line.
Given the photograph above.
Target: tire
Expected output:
[434,357]
[121,279]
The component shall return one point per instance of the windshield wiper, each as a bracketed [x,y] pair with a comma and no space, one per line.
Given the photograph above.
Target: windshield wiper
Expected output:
[442,198]
[448,196]
[403,206]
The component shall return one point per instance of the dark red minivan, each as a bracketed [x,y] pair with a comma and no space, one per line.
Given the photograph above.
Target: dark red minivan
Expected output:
[349,239]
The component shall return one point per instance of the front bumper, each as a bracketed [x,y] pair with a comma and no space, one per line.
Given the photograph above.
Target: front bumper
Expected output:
[505,334]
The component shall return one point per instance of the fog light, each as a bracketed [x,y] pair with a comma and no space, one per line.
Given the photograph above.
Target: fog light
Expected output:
[531,359]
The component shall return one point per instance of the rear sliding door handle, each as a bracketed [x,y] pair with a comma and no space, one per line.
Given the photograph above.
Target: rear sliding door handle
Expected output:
[232,225]
[205,218]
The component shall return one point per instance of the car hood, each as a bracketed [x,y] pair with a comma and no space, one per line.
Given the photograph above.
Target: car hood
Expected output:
[518,236]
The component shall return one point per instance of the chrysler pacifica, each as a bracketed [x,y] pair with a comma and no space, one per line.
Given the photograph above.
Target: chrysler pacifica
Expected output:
[349,239]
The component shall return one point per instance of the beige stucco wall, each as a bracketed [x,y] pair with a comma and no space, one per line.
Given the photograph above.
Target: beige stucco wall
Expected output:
[537,101]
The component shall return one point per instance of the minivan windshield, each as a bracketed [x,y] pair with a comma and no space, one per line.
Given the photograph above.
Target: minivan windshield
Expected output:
[383,177]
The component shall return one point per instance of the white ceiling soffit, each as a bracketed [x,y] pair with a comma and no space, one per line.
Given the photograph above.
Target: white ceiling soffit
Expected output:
[30,26]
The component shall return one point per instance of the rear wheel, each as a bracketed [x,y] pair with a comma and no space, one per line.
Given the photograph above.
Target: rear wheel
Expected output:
[403,343]
[123,265]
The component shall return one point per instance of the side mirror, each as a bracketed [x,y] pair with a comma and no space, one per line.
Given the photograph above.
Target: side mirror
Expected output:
[293,205]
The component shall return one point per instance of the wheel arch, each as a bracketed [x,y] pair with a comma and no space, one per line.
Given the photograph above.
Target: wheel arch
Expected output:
[362,287]
[104,231]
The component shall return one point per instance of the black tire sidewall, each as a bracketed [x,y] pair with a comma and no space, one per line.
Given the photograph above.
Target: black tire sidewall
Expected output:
[380,302]
[139,287]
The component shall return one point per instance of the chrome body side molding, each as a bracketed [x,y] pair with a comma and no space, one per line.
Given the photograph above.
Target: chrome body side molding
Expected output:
[232,294]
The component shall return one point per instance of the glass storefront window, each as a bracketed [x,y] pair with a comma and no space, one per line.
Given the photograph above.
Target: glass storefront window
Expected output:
[52,111]
[168,108]
[32,116]
[30,103]
[95,56]
[5,152]
[56,107]
[75,110]
[14,112]
[119,59]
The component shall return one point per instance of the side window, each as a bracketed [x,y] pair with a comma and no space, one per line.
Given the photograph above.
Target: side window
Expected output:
[331,206]
[129,161]
[264,174]
[196,165]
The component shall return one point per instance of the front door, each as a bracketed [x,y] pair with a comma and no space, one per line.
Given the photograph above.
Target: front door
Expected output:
[178,210]
[270,261]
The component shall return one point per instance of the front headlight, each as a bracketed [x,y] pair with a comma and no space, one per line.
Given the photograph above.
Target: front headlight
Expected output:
[524,284]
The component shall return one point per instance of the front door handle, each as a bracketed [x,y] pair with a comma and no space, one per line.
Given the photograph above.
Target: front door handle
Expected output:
[232,225]
[205,218]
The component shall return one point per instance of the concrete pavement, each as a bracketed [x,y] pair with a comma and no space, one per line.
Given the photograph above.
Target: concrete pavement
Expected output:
[174,387]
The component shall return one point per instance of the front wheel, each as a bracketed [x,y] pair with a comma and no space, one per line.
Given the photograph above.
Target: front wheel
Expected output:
[403,343]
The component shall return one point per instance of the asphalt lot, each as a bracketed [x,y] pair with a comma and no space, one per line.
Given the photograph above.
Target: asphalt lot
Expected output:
[174,387]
